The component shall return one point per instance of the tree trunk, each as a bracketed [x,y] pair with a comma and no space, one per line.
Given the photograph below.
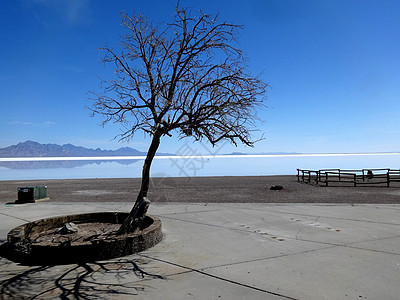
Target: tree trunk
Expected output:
[135,218]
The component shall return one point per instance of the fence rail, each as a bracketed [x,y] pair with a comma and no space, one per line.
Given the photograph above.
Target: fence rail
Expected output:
[349,176]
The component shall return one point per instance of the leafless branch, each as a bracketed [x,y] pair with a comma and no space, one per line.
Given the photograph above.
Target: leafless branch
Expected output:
[188,75]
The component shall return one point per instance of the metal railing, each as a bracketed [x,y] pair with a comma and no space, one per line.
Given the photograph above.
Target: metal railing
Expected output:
[349,176]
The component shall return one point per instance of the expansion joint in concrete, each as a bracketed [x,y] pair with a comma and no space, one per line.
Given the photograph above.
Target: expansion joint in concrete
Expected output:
[220,278]
[25,220]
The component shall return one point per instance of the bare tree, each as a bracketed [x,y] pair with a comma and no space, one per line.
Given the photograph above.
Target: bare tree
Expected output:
[187,76]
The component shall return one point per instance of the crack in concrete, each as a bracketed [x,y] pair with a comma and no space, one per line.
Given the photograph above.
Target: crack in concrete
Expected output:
[190,212]
[292,238]
[25,220]
[304,215]
[269,258]
[337,218]
[374,240]
[219,277]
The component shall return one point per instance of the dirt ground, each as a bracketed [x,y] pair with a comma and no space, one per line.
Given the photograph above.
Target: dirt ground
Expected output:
[205,190]
[84,232]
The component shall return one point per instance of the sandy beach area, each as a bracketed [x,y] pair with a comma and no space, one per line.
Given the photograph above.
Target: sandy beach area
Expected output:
[249,189]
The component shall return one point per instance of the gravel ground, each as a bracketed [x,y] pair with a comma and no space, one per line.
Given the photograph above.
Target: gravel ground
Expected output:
[205,190]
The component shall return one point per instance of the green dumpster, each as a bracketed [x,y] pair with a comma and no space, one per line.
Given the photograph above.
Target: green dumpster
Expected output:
[29,194]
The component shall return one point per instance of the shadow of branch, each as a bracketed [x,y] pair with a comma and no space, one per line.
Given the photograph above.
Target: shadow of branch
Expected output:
[95,280]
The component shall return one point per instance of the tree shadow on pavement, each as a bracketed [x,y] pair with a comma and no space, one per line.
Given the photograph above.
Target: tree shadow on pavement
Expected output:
[95,280]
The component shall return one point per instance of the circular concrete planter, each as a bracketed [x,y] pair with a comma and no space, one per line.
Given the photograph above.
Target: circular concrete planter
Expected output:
[22,248]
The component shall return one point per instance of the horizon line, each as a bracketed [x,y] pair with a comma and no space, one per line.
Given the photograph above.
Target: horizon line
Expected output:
[76,158]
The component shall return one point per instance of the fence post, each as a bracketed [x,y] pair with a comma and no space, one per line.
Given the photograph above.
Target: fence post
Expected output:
[388,179]
[339,174]
[355,182]
[326,178]
[298,175]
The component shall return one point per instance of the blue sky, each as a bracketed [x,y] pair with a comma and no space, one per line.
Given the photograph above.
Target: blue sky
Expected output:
[333,69]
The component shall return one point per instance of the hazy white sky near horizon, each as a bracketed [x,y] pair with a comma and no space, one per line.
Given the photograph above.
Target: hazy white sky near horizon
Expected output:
[333,67]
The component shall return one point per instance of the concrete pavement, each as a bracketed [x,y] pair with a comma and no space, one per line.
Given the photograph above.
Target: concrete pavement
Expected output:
[227,251]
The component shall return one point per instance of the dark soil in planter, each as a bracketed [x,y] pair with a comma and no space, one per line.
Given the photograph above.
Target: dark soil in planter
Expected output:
[91,238]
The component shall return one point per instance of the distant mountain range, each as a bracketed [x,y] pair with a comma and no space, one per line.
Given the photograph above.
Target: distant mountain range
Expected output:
[34,149]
